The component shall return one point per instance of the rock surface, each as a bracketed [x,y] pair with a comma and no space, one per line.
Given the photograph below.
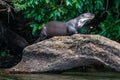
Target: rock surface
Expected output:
[67,52]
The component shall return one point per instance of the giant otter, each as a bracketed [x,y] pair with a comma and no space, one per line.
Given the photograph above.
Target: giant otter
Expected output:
[57,28]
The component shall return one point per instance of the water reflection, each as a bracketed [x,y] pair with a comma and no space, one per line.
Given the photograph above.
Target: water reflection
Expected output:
[63,76]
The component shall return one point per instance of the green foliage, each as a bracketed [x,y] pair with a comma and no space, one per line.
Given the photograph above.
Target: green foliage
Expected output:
[3,53]
[43,11]
[111,24]
[111,28]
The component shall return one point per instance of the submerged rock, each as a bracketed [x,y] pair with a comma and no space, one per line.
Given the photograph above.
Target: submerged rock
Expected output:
[67,52]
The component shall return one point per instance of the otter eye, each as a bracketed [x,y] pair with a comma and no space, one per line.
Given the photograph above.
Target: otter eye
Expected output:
[83,15]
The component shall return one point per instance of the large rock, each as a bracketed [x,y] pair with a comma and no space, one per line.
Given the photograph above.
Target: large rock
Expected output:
[67,52]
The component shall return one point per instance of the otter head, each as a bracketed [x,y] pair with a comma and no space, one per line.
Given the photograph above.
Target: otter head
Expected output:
[84,18]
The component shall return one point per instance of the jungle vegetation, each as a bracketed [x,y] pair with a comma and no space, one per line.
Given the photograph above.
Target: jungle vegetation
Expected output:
[42,11]
[36,13]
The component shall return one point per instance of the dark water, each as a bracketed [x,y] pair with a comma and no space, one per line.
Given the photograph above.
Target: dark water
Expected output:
[63,76]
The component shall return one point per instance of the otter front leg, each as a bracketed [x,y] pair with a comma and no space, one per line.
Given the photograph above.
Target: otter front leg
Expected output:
[43,35]
[72,30]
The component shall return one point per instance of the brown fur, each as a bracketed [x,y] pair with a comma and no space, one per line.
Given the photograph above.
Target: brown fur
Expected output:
[57,28]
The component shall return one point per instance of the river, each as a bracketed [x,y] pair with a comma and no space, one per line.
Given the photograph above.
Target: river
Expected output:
[63,76]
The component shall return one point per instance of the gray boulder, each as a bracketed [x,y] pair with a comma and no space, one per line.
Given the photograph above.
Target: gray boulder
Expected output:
[67,52]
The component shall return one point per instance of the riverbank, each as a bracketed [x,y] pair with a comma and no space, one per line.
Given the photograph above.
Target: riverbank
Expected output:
[64,76]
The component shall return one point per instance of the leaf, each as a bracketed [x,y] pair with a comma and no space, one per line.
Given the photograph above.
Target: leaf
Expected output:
[33,24]
[47,1]
[3,53]
[69,2]
[39,18]
[117,21]
[34,31]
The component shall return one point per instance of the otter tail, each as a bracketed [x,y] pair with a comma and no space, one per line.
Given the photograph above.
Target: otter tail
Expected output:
[43,35]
